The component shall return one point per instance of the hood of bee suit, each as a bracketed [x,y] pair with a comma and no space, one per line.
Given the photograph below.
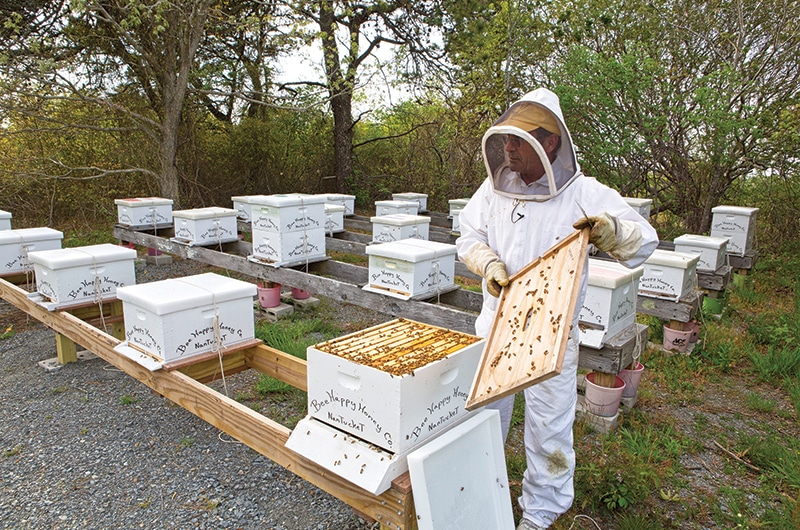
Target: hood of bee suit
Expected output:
[539,108]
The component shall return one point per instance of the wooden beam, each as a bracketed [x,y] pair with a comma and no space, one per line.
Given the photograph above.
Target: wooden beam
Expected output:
[266,436]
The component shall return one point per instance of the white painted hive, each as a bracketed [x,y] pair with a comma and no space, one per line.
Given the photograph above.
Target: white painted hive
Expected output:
[456,205]
[206,226]
[420,198]
[394,227]
[392,207]
[144,212]
[287,248]
[712,250]
[642,206]
[669,275]
[456,213]
[348,201]
[288,213]
[5,220]
[83,274]
[243,204]
[334,218]
[17,244]
[738,224]
[180,317]
[610,303]
[410,267]
[393,385]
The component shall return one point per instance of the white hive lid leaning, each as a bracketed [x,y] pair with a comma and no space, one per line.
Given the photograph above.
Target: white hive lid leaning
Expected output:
[143,201]
[210,212]
[178,294]
[82,256]
[675,260]
[695,240]
[29,235]
[401,219]
[5,215]
[611,275]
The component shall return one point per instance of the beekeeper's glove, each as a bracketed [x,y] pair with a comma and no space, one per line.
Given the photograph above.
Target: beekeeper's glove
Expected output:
[482,260]
[619,239]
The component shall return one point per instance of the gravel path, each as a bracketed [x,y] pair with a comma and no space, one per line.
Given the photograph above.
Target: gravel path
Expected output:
[91,447]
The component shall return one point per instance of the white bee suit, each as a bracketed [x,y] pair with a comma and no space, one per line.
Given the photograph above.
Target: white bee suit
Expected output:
[520,223]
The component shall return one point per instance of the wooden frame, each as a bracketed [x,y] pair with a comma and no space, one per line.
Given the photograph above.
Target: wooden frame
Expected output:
[532,324]
[393,508]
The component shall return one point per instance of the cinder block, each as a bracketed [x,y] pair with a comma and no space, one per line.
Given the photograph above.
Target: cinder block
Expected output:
[604,424]
[163,259]
[275,313]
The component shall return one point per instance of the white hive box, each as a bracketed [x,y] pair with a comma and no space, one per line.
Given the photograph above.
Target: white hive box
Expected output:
[288,213]
[410,267]
[669,275]
[610,303]
[394,227]
[738,224]
[642,206]
[205,226]
[392,207]
[287,248]
[712,250]
[144,212]
[456,205]
[334,218]
[393,385]
[5,220]
[70,276]
[348,201]
[420,198]
[16,244]
[456,213]
[176,318]
[243,204]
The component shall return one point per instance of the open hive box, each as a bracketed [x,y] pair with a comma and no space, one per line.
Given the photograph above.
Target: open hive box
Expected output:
[375,395]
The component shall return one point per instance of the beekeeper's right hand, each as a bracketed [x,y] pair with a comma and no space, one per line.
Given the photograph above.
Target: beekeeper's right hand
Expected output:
[482,260]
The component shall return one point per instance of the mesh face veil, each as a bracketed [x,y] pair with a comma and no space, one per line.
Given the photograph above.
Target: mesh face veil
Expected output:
[539,108]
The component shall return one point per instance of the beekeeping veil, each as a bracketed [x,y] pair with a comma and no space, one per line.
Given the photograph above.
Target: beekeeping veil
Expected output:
[539,108]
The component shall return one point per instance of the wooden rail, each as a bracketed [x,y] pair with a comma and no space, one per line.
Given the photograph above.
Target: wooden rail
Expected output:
[394,508]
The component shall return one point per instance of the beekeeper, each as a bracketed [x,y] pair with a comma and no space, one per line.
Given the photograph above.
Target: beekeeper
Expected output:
[530,201]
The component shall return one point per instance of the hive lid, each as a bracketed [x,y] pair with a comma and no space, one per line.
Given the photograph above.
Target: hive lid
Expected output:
[247,199]
[412,250]
[82,256]
[400,219]
[409,196]
[330,208]
[734,210]
[340,197]
[611,275]
[29,235]
[676,260]
[286,200]
[458,202]
[178,294]
[211,212]
[637,202]
[5,215]
[460,479]
[397,204]
[143,201]
[694,241]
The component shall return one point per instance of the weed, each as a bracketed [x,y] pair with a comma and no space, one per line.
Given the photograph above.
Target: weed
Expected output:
[792,386]
[8,453]
[759,403]
[186,442]
[59,389]
[346,257]
[776,364]
[128,399]
[7,333]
